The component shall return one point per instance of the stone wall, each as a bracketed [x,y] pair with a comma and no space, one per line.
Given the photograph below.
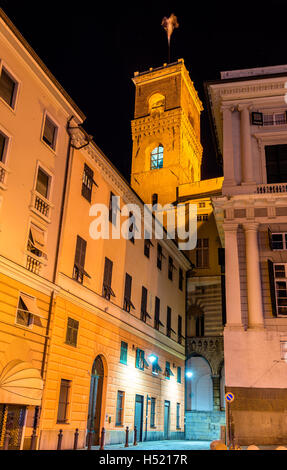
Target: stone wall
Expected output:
[203,425]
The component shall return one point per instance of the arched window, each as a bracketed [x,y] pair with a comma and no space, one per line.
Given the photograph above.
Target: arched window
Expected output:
[156,160]
[156,103]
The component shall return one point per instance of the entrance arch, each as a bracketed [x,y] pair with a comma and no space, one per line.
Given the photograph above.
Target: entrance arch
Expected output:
[200,386]
[95,414]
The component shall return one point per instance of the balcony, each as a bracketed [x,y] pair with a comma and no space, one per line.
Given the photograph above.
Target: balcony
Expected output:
[273,188]
[41,206]
[33,264]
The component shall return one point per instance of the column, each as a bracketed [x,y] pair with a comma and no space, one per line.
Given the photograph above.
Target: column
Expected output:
[245,140]
[216,392]
[228,156]
[254,288]
[232,277]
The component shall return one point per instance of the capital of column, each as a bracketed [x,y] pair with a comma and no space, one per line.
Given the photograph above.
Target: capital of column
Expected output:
[251,226]
[227,107]
[227,227]
[245,106]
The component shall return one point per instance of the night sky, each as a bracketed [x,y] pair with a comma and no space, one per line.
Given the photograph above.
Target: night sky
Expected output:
[94,48]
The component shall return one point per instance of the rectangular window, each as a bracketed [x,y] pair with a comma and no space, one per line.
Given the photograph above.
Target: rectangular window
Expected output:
[202,253]
[157,322]
[169,329]
[27,311]
[179,375]
[132,227]
[8,88]
[178,416]
[87,183]
[79,262]
[152,412]
[107,282]
[72,332]
[64,401]
[127,296]
[120,408]
[155,366]
[36,242]
[124,353]
[42,184]
[180,337]
[276,163]
[113,208]
[154,201]
[280,275]
[160,256]
[50,133]
[278,241]
[283,350]
[180,279]
[3,147]
[170,267]
[141,363]
[168,371]
[144,313]
[147,245]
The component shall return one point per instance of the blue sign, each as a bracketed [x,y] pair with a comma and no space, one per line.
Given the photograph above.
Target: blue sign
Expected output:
[229,397]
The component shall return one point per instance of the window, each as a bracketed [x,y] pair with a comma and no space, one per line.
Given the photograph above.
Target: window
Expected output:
[3,147]
[280,275]
[144,313]
[204,217]
[157,322]
[180,279]
[120,408]
[107,282]
[156,160]
[179,375]
[42,184]
[201,204]
[199,325]
[160,256]
[141,363]
[155,367]
[36,242]
[274,119]
[168,371]
[87,183]
[283,350]
[27,311]
[169,329]
[64,401]
[278,241]
[79,262]
[50,133]
[171,267]
[113,208]
[8,88]
[132,227]
[127,297]
[147,244]
[152,412]
[180,337]
[154,200]
[124,353]
[178,416]
[202,253]
[276,163]
[72,332]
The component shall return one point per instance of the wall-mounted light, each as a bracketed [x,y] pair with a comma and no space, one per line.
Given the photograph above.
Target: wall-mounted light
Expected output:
[189,374]
[152,358]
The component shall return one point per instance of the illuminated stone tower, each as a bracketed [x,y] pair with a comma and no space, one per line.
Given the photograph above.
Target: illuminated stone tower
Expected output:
[167,151]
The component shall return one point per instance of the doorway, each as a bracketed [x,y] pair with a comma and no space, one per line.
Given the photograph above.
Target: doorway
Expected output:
[12,418]
[95,402]
[166,419]
[139,416]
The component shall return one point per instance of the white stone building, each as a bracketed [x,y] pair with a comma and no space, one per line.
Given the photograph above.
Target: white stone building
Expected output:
[248,111]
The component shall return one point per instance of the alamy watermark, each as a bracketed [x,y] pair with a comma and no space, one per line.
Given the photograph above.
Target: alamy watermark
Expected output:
[180,222]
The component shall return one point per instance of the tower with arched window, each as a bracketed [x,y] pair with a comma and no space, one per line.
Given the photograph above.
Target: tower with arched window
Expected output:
[166,132]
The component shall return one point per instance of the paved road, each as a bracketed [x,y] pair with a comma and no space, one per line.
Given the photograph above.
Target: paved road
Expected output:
[161,445]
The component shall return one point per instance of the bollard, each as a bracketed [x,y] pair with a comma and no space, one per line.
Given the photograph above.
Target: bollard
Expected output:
[60,438]
[135,436]
[76,438]
[127,437]
[6,440]
[102,439]
[89,439]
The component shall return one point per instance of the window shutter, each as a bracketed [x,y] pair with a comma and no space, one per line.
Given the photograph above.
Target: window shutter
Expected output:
[108,272]
[270,238]
[272,287]
[144,300]
[80,254]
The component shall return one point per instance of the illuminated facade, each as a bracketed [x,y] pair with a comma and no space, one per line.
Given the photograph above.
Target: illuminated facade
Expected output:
[166,169]
[91,331]
[249,116]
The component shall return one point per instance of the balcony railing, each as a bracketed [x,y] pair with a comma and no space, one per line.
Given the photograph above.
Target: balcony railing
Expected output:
[273,188]
[33,264]
[41,206]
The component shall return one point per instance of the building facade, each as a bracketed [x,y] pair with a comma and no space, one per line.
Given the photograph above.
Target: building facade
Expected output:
[248,108]
[166,169]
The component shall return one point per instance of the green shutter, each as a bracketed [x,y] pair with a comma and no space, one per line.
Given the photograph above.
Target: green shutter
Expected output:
[124,353]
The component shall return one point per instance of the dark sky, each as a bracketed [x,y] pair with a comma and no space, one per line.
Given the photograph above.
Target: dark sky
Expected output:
[94,48]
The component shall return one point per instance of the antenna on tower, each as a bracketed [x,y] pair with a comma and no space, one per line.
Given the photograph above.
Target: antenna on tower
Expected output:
[169,24]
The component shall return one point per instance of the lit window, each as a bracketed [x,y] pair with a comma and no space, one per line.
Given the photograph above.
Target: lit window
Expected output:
[50,133]
[156,158]
[8,88]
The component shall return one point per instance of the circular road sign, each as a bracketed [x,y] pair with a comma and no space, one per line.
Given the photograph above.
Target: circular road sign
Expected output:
[229,397]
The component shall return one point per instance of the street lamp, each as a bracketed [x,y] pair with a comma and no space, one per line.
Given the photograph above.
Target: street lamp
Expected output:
[152,358]
[189,374]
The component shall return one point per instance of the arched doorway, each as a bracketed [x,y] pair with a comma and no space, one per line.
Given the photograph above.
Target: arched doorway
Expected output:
[200,386]
[95,402]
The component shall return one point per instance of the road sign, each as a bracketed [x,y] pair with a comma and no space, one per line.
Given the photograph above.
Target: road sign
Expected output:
[229,397]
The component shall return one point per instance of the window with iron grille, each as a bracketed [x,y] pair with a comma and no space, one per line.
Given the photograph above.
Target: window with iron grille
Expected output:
[79,262]
[152,412]
[64,398]
[127,296]
[72,332]
[120,408]
[202,253]
[124,353]
[156,159]
[8,87]
[87,183]
[107,282]
[178,416]
[50,133]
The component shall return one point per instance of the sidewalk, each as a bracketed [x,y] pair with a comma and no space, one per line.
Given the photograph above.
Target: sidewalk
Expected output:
[161,445]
